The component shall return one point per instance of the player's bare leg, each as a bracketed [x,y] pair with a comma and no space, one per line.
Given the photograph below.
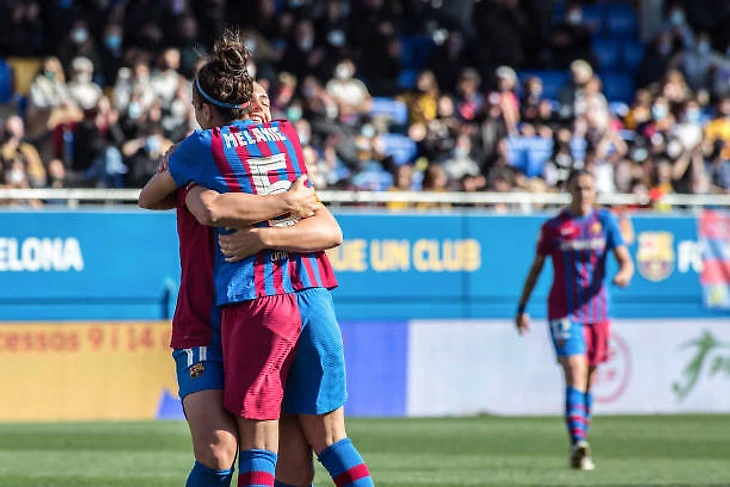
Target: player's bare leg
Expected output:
[575,369]
[215,439]
[295,466]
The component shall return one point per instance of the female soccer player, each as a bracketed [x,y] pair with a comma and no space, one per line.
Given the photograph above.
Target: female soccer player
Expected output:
[274,301]
[196,332]
[578,240]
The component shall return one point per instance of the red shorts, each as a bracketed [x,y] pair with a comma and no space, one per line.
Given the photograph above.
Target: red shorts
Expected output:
[596,337]
[259,339]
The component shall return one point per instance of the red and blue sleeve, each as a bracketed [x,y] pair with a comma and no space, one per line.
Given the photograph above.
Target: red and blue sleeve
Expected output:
[544,240]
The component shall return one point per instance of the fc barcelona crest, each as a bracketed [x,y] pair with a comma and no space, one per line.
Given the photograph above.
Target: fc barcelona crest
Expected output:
[655,256]
[196,370]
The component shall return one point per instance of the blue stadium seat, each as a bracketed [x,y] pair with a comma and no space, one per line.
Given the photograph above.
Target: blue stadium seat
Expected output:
[618,87]
[578,148]
[607,54]
[416,50]
[552,81]
[620,22]
[407,79]
[373,180]
[393,109]
[633,56]
[401,147]
[6,82]
[539,151]
[516,153]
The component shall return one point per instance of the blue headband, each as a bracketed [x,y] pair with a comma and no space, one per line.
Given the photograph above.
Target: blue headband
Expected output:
[215,102]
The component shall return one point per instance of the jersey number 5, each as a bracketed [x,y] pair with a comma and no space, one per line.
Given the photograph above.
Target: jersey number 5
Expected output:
[261,170]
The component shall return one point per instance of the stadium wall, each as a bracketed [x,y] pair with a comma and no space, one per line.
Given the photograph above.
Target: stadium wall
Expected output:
[425,302]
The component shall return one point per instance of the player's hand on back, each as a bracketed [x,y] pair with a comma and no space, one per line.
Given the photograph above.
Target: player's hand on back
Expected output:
[301,200]
[241,244]
[165,159]
[522,321]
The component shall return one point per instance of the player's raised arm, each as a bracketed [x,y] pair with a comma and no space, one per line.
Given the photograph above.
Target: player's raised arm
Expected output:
[321,232]
[238,210]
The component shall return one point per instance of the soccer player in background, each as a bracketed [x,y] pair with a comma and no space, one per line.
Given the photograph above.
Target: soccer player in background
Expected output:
[578,240]
[196,324]
[274,301]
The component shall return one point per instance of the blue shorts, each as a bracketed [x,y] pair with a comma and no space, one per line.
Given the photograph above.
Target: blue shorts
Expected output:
[316,382]
[572,337]
[198,369]
[568,337]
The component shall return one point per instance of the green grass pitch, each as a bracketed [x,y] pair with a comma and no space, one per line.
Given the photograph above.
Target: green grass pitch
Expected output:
[445,452]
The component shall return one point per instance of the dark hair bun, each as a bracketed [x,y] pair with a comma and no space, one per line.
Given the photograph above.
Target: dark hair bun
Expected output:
[230,55]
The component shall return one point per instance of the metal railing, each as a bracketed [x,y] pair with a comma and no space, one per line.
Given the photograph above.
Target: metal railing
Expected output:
[73,197]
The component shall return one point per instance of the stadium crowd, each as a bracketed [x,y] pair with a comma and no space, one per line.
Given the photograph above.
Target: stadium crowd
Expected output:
[112,89]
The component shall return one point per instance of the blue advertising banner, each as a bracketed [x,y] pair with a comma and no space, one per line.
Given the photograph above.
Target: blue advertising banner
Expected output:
[81,265]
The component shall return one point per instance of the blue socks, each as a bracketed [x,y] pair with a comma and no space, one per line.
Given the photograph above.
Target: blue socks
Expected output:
[202,476]
[345,465]
[256,468]
[589,406]
[575,414]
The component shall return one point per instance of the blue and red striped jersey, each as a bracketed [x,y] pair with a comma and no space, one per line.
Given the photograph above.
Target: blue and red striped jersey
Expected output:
[579,247]
[259,159]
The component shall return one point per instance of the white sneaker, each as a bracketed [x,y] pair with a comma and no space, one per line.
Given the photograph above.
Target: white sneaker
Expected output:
[580,457]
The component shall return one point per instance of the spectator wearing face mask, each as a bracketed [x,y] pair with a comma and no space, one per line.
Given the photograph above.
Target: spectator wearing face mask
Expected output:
[49,101]
[142,156]
[111,53]
[570,39]
[697,64]
[677,29]
[20,161]
[350,94]
[303,56]
[689,129]
[83,91]
[78,43]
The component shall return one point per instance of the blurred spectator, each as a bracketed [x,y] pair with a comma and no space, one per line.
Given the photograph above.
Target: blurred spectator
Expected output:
[137,16]
[719,127]
[676,28]
[56,174]
[111,53]
[142,155]
[530,102]
[469,100]
[572,96]
[166,80]
[656,61]
[351,95]
[187,41]
[79,43]
[97,158]
[561,163]
[448,61]
[461,163]
[303,56]
[591,111]
[21,162]
[422,102]
[333,28]
[571,39]
[697,63]
[718,169]
[402,181]
[508,101]
[84,93]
